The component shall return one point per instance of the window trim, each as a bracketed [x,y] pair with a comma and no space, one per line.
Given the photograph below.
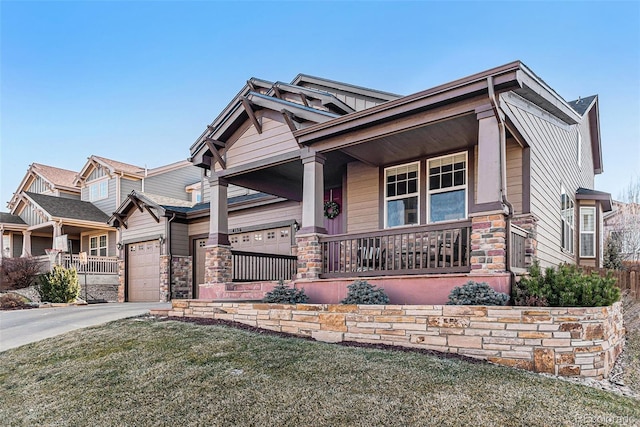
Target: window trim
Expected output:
[417,194]
[464,187]
[572,225]
[98,184]
[593,232]
[98,247]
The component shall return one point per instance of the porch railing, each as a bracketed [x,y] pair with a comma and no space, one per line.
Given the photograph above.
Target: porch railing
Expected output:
[256,266]
[94,265]
[442,248]
[517,249]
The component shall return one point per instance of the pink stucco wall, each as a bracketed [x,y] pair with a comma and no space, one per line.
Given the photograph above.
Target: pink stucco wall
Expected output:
[433,289]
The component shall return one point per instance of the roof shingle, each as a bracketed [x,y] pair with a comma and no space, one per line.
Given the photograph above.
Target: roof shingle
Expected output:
[61,207]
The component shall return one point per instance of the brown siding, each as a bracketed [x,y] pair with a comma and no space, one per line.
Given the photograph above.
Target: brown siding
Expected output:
[250,146]
[362,198]
[514,175]
[266,214]
[141,226]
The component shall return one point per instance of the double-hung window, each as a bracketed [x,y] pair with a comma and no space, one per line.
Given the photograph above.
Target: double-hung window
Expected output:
[447,192]
[566,221]
[588,232]
[98,245]
[402,194]
[98,190]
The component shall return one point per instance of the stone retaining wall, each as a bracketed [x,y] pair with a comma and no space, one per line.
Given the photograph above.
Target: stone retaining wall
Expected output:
[562,341]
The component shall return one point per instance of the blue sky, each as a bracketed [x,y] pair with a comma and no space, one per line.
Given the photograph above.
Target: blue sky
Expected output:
[139,81]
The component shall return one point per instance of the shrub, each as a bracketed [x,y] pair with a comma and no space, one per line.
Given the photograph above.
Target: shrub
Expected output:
[474,293]
[361,292]
[13,302]
[566,286]
[18,273]
[285,295]
[612,258]
[59,286]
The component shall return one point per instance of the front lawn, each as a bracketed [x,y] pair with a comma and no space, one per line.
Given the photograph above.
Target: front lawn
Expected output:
[146,372]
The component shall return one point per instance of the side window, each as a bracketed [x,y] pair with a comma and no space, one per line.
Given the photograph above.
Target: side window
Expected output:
[567,212]
[588,232]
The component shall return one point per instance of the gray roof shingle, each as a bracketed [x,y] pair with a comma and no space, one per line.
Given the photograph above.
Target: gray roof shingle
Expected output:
[581,104]
[61,207]
[7,218]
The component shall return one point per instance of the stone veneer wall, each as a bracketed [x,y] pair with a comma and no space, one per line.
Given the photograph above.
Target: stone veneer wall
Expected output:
[309,256]
[121,273]
[488,243]
[562,341]
[218,264]
[530,223]
[165,287]
[181,277]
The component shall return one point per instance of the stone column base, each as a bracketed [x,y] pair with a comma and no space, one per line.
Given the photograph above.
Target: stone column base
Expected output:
[309,256]
[218,264]
[488,244]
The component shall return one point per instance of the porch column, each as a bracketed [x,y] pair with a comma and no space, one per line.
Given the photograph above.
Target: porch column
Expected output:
[488,173]
[218,268]
[308,237]
[26,244]
[312,193]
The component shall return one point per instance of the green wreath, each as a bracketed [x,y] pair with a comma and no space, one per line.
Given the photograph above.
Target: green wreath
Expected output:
[331,209]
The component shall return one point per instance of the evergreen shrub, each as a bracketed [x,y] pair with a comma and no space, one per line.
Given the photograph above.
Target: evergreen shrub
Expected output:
[283,294]
[476,293]
[361,292]
[61,285]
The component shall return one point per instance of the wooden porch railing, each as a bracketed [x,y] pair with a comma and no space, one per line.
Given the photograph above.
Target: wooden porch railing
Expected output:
[256,266]
[441,248]
[517,249]
[94,265]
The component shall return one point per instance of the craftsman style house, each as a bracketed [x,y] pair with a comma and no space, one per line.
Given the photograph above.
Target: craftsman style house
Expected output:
[472,179]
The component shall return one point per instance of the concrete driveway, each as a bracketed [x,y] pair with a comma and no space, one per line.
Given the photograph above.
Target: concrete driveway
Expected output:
[22,327]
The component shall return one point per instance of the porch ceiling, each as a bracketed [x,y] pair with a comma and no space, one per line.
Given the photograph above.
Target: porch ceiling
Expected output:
[285,179]
[436,138]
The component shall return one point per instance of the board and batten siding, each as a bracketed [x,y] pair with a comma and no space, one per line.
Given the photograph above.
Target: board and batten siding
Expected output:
[357,102]
[514,175]
[127,186]
[30,216]
[362,198]
[172,183]
[142,227]
[179,239]
[554,165]
[250,146]
[40,186]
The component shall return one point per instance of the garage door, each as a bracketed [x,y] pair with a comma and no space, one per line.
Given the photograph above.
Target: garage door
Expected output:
[270,241]
[143,271]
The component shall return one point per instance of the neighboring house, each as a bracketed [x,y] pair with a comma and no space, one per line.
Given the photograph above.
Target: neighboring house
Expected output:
[52,202]
[623,224]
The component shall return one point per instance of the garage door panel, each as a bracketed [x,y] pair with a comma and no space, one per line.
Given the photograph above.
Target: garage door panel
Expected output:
[143,272]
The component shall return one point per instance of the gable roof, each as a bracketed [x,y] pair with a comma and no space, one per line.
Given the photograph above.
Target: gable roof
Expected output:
[582,105]
[61,207]
[113,166]
[57,176]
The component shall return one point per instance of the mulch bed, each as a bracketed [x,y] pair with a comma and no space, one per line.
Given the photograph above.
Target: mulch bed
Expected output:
[260,331]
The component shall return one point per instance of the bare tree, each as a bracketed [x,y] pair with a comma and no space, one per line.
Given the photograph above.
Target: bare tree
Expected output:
[624,223]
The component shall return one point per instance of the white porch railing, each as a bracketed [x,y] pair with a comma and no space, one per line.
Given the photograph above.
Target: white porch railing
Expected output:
[95,264]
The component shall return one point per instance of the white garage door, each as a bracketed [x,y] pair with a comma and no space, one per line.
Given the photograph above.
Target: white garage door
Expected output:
[143,271]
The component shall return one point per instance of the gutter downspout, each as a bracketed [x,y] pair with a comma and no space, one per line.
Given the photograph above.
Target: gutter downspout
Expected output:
[503,170]
[168,243]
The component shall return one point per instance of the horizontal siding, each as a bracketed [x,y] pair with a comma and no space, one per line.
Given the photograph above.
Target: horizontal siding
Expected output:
[108,205]
[276,138]
[179,239]
[275,212]
[514,175]
[553,165]
[141,227]
[127,186]
[362,198]
[65,195]
[172,184]
[199,228]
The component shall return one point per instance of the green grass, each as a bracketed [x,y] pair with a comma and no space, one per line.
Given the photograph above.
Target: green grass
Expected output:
[145,372]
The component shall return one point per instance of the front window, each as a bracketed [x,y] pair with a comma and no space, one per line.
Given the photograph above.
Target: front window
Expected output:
[566,220]
[588,232]
[99,190]
[98,245]
[401,195]
[447,194]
